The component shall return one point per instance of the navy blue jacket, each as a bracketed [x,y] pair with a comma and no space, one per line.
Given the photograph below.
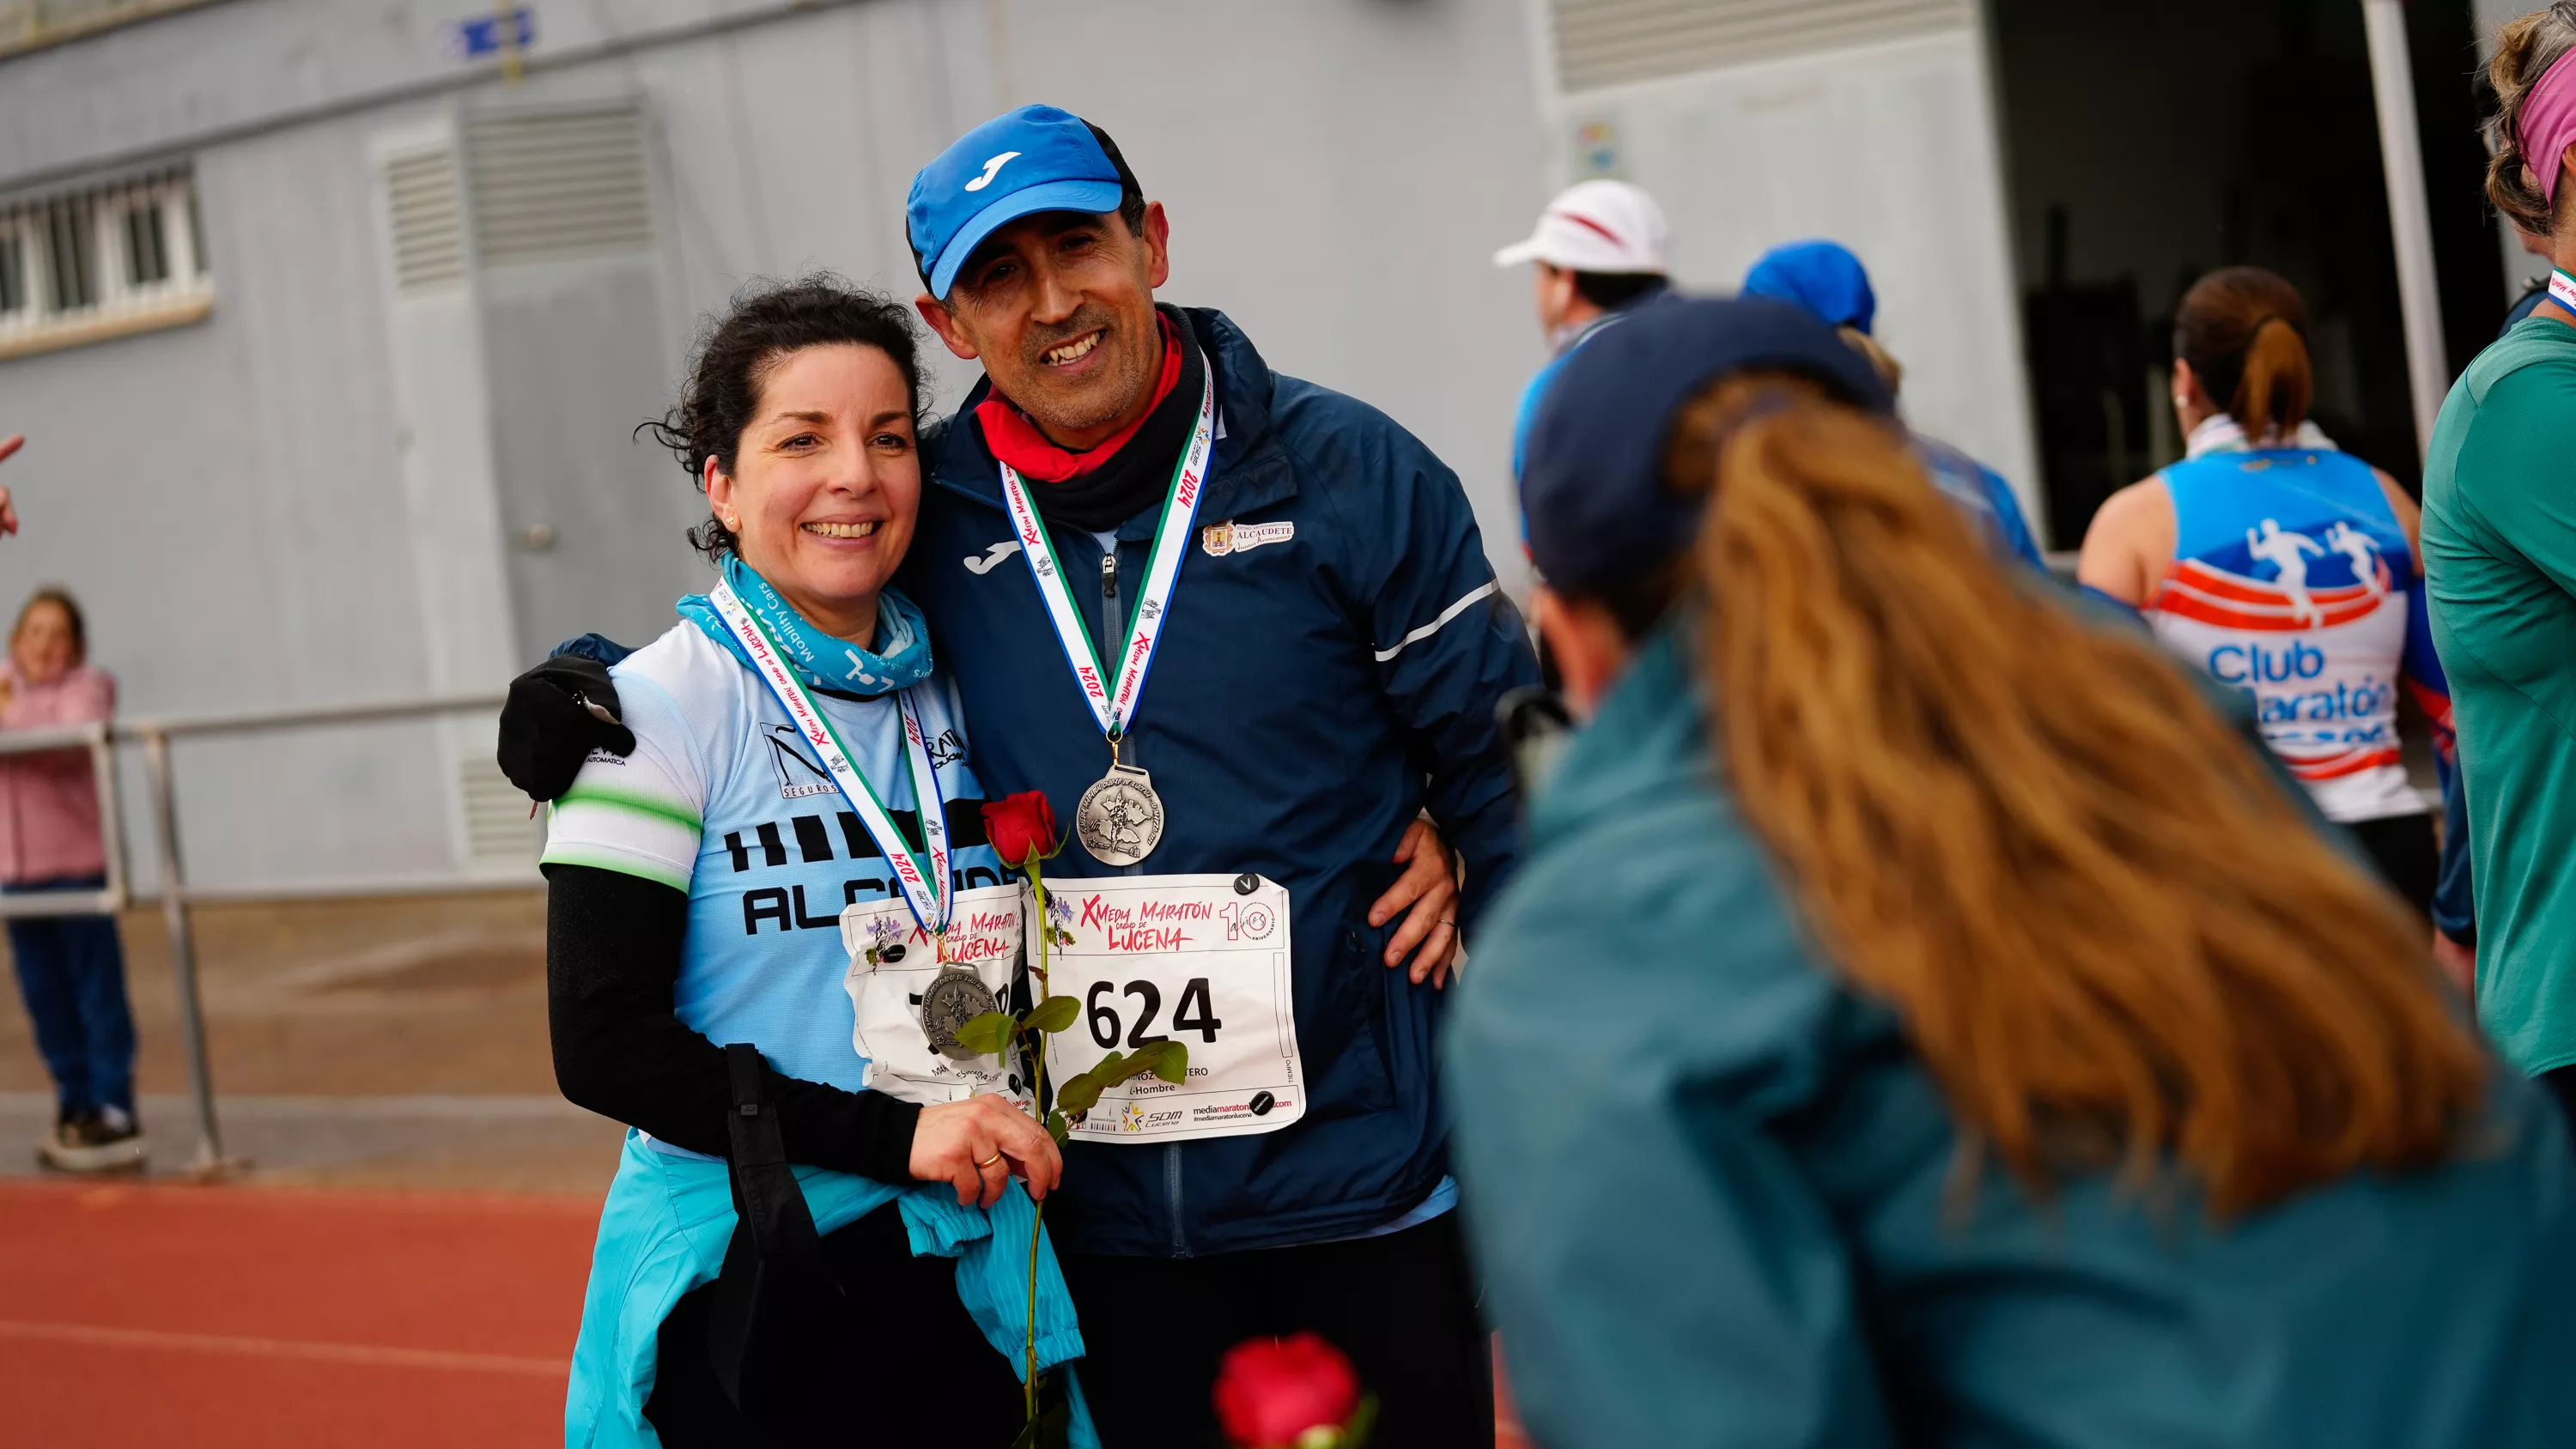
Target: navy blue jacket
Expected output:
[1310,697]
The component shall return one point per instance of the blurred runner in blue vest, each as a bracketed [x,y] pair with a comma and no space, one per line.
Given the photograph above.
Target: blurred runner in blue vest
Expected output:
[1826,279]
[2285,568]
[1601,249]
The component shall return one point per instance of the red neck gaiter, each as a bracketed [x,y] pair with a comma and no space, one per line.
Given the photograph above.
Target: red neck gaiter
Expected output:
[1016,441]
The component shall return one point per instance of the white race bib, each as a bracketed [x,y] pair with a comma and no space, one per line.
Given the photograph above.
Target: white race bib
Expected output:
[1200,959]
[893,964]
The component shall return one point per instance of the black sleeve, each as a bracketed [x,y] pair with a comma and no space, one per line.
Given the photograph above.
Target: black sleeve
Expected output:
[612,962]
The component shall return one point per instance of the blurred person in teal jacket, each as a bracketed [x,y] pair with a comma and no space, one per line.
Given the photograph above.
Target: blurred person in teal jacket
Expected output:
[1919,1019]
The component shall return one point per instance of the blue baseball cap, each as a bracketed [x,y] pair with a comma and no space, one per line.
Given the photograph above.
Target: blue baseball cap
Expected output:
[1034,159]
[1821,276]
[1593,498]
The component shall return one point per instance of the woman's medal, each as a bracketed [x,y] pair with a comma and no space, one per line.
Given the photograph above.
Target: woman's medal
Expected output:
[1120,819]
[953,998]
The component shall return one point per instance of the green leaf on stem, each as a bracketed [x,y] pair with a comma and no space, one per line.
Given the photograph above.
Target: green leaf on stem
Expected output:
[1169,1060]
[1166,1059]
[1078,1094]
[1053,1014]
[988,1033]
[1355,1434]
[1056,1126]
[1028,1436]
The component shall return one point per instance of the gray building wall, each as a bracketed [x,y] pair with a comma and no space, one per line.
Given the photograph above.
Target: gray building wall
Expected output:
[228,497]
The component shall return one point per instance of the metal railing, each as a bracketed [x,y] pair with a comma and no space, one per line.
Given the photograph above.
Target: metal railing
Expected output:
[174,894]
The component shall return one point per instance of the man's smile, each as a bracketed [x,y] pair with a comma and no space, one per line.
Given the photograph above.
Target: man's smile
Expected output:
[1074,351]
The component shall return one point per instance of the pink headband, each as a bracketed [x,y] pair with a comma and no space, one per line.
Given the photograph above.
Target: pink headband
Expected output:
[2548,125]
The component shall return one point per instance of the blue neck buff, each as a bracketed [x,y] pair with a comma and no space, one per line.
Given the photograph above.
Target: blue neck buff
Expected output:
[900,660]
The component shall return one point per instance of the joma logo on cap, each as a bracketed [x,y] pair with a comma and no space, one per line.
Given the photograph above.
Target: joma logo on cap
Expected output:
[992,168]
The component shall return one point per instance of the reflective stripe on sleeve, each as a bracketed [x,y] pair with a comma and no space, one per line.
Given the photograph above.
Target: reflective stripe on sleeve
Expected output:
[1447,614]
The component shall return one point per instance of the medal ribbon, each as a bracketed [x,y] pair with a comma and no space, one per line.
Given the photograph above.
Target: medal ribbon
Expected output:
[2562,289]
[928,895]
[1113,702]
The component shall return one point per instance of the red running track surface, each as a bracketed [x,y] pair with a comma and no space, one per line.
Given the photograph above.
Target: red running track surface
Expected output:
[233,1317]
[243,1318]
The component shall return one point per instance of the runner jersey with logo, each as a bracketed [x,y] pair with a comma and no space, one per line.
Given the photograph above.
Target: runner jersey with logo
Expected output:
[722,800]
[2292,580]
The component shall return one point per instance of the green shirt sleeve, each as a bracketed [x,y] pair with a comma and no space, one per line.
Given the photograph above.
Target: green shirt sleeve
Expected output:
[2517,470]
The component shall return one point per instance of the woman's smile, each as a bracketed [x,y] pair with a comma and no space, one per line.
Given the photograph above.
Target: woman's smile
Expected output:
[827,484]
[841,532]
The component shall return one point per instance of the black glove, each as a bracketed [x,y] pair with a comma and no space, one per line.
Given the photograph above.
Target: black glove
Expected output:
[557,713]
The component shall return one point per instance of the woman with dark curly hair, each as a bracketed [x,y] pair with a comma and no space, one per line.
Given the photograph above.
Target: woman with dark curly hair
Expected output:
[2500,558]
[765,922]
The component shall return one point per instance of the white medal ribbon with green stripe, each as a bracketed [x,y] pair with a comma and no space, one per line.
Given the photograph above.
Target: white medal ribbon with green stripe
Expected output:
[1113,703]
[926,884]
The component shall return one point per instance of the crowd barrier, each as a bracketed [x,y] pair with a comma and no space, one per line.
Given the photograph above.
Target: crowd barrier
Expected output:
[172,893]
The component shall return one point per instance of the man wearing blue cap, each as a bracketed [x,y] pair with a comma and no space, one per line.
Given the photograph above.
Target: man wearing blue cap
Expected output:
[1131,488]
[1242,633]
[1826,279]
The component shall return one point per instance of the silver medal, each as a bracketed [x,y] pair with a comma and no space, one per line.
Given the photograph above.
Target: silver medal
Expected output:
[1120,819]
[952,999]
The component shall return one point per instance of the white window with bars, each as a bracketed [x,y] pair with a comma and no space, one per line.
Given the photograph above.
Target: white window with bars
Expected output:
[102,261]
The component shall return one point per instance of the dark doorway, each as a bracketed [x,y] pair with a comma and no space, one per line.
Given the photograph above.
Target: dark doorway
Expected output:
[2148,141]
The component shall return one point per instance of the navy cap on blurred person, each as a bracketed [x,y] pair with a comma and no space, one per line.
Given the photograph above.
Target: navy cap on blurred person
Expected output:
[1034,159]
[1821,276]
[1593,497]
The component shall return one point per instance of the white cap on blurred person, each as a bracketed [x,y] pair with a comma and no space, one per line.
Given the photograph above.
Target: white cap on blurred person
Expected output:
[1598,226]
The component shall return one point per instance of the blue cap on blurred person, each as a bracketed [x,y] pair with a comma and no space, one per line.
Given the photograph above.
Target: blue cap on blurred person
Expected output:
[1034,159]
[1821,276]
[1594,502]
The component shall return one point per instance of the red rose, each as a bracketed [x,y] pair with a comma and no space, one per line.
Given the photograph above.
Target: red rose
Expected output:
[1020,826]
[1271,1390]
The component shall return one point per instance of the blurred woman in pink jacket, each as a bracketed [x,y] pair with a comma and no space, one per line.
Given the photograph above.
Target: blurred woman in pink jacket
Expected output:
[71,969]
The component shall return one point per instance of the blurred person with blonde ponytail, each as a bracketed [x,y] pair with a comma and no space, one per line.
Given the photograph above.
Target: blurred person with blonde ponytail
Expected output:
[1921,1019]
[2500,558]
[2285,568]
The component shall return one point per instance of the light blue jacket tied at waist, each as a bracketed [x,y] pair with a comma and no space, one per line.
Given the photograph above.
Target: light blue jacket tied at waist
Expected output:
[664,1231]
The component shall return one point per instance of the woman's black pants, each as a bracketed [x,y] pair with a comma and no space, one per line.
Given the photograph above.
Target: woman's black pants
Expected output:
[2401,848]
[914,1369]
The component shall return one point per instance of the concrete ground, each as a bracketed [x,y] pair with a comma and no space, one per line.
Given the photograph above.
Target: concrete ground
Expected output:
[391,1042]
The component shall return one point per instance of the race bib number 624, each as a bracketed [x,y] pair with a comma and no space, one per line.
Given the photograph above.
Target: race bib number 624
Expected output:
[1198,959]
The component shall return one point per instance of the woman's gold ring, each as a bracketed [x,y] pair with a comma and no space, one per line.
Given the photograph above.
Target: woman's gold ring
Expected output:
[989,1161]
